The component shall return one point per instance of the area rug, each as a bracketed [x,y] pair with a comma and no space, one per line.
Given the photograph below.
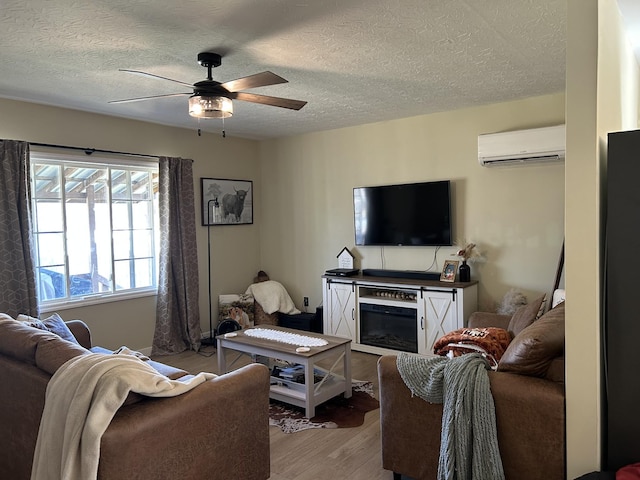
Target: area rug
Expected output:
[339,412]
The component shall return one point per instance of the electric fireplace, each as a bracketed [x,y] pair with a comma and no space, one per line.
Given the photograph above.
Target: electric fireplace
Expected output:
[389,327]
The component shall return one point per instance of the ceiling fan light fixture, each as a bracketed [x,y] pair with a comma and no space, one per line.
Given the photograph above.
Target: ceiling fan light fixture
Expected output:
[205,106]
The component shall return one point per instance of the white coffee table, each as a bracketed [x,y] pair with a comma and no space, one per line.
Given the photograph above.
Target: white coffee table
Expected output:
[308,395]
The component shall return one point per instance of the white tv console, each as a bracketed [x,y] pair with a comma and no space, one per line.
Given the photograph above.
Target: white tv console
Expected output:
[383,315]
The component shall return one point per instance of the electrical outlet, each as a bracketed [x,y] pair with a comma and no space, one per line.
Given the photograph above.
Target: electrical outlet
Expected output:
[306,301]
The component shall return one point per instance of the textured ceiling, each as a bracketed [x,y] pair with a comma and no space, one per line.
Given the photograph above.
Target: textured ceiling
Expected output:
[354,61]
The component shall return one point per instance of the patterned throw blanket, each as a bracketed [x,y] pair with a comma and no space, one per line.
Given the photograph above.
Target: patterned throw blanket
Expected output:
[490,341]
[468,440]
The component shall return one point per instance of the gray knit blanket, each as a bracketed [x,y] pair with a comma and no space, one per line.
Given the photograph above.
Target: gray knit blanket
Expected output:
[468,440]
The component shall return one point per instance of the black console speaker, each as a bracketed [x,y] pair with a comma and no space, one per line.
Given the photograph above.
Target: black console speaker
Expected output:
[411,274]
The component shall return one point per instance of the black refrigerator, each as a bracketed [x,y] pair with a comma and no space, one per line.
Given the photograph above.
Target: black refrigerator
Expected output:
[621,322]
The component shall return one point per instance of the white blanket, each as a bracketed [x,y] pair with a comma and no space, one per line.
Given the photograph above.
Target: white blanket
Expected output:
[272,297]
[81,399]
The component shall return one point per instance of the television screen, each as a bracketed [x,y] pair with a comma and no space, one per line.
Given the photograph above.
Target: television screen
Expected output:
[416,214]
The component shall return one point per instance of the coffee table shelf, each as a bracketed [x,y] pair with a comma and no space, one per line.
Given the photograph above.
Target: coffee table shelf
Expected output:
[309,394]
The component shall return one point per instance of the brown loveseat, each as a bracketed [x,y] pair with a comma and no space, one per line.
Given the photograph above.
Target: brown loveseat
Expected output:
[528,392]
[218,430]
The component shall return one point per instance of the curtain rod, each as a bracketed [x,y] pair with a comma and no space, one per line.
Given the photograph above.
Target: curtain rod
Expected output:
[89,151]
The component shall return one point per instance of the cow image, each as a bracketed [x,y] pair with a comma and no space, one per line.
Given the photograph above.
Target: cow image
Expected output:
[233,204]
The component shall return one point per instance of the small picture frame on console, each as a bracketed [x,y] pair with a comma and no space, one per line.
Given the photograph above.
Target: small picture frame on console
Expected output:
[449,271]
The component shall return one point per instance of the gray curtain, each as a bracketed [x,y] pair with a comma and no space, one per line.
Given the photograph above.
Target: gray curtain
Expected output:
[177,312]
[17,272]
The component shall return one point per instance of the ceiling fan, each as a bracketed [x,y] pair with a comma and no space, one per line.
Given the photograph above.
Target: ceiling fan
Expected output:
[211,99]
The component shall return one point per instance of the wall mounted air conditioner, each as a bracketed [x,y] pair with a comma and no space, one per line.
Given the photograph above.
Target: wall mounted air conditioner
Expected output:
[522,147]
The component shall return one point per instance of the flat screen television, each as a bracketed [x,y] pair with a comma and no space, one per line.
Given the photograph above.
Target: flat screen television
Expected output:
[414,214]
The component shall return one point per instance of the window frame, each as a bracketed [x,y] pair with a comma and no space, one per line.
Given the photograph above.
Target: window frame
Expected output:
[38,156]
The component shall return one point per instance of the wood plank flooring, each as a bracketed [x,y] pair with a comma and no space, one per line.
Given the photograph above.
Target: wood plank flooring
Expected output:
[316,454]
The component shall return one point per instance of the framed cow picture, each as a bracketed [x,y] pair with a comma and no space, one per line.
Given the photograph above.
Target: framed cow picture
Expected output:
[226,202]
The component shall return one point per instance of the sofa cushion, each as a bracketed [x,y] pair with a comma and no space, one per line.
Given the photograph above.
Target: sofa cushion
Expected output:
[525,316]
[20,341]
[53,324]
[52,353]
[534,348]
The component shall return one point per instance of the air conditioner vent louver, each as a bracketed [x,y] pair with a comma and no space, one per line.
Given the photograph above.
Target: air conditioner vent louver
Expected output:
[522,147]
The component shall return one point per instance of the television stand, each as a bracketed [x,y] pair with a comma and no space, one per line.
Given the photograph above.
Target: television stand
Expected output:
[387,314]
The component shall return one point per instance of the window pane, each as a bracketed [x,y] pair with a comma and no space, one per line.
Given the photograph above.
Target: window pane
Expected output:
[52,283]
[121,245]
[142,214]
[78,242]
[81,285]
[120,187]
[47,181]
[103,242]
[142,244]
[85,184]
[121,219]
[50,249]
[144,272]
[123,274]
[140,186]
[49,216]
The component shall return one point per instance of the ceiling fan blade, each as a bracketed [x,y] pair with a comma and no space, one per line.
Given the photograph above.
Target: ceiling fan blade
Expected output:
[137,72]
[266,100]
[252,81]
[127,100]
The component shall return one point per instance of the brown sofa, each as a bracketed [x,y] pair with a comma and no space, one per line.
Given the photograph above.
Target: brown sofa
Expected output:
[218,430]
[528,393]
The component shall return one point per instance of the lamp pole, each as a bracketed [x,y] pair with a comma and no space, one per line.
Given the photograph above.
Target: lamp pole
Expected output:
[211,340]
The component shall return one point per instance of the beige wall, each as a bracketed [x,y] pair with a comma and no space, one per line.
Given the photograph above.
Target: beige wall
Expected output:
[514,214]
[235,251]
[602,96]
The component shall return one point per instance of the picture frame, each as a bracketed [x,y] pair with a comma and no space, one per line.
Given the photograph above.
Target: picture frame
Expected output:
[226,201]
[449,270]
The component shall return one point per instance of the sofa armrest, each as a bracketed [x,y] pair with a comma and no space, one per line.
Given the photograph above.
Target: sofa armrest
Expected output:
[81,331]
[220,429]
[488,319]
[410,427]
[529,417]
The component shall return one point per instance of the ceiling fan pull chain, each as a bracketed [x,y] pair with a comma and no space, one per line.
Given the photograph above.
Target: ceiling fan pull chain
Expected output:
[224,134]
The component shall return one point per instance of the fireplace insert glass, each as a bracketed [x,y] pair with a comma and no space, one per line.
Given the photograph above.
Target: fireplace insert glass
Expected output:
[389,327]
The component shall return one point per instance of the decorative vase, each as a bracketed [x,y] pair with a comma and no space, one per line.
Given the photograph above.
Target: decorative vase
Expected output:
[465,272]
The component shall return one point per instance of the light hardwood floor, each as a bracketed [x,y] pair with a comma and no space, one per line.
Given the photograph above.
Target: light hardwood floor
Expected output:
[316,454]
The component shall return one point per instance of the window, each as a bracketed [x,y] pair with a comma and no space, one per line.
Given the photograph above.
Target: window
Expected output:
[95,227]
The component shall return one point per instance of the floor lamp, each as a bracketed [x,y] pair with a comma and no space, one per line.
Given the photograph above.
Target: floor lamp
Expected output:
[211,340]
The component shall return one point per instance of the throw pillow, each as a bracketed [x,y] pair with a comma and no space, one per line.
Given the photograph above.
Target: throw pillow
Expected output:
[53,324]
[532,350]
[525,316]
